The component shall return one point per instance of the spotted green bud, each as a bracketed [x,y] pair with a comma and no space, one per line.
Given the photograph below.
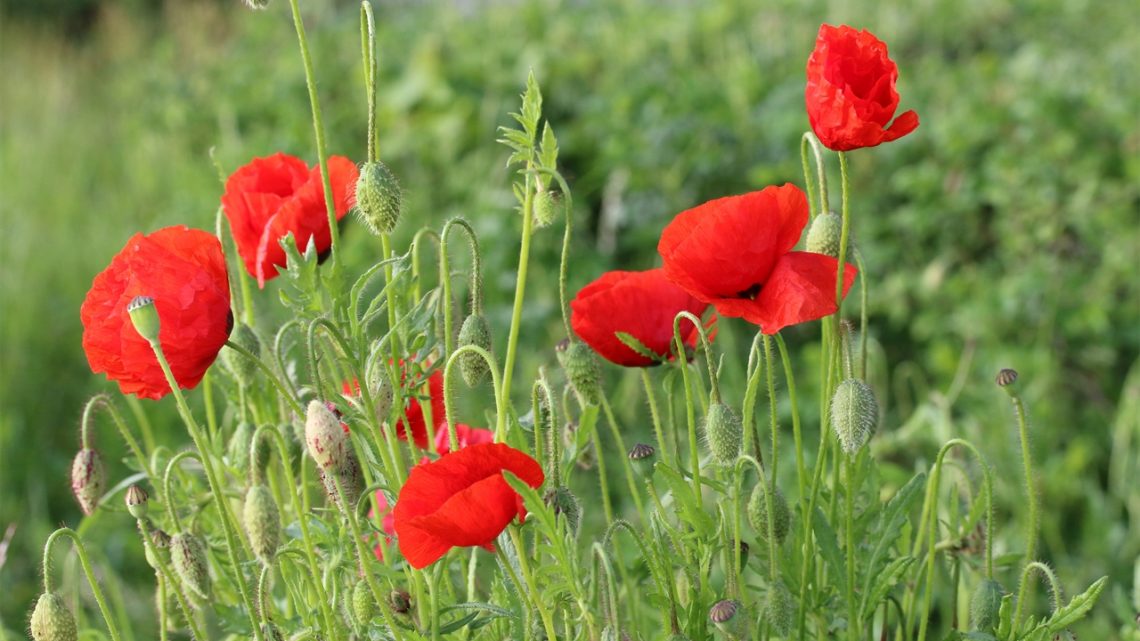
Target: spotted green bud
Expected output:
[262,522]
[52,621]
[188,555]
[825,234]
[854,414]
[349,478]
[475,331]
[363,605]
[137,500]
[583,370]
[240,366]
[730,617]
[326,440]
[724,433]
[88,477]
[758,513]
[563,502]
[378,198]
[984,605]
[547,207]
[144,316]
[779,609]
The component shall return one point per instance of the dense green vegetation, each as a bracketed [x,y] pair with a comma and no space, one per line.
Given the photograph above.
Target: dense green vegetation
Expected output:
[1004,232]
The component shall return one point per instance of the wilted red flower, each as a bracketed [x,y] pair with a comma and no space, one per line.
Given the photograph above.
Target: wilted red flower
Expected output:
[850,91]
[736,253]
[387,523]
[461,500]
[414,418]
[184,271]
[270,197]
[466,435]
[641,304]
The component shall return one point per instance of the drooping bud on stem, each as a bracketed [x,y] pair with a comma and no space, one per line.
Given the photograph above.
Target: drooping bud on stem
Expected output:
[188,555]
[348,476]
[779,609]
[825,234]
[758,513]
[144,316]
[475,331]
[262,522]
[363,605]
[137,500]
[582,368]
[547,207]
[52,621]
[378,198]
[854,414]
[984,605]
[730,618]
[88,477]
[400,601]
[240,366]
[724,433]
[328,444]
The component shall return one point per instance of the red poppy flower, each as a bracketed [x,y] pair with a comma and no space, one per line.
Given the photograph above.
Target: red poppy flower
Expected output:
[271,197]
[641,304]
[851,91]
[414,419]
[387,523]
[461,500]
[184,271]
[465,434]
[736,253]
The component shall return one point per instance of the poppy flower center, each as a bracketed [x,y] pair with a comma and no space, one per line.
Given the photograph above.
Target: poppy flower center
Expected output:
[751,293]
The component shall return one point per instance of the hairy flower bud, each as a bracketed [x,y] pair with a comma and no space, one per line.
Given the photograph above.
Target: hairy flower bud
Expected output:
[378,198]
[547,207]
[348,476]
[363,605]
[825,234]
[52,621]
[328,444]
[583,370]
[88,476]
[779,609]
[137,500]
[240,366]
[758,513]
[563,502]
[383,395]
[724,433]
[188,555]
[984,605]
[477,332]
[144,316]
[262,522]
[730,618]
[158,540]
[854,414]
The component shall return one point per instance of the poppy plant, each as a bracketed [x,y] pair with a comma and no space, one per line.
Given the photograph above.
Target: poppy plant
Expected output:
[736,253]
[850,91]
[184,271]
[466,435]
[414,420]
[274,196]
[641,304]
[461,500]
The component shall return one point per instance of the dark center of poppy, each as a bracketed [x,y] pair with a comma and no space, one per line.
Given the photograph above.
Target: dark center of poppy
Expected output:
[751,293]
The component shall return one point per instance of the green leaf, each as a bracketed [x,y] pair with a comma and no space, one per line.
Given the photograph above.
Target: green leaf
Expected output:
[883,584]
[686,502]
[548,149]
[1076,608]
[827,542]
[1005,618]
[887,531]
[631,342]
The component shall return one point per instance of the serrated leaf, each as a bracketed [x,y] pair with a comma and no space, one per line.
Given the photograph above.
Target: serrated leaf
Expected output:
[548,148]
[686,502]
[1076,609]
[889,528]
[827,541]
[631,342]
[883,584]
[1005,617]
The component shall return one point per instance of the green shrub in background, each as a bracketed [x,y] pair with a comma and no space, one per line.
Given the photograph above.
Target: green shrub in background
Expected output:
[1024,177]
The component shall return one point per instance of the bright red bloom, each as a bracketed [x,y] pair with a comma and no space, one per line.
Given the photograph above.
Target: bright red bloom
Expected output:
[465,434]
[461,500]
[736,253]
[271,197]
[641,304]
[184,271]
[850,91]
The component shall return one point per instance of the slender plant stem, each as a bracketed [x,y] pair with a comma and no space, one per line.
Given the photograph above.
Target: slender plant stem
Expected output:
[1023,589]
[853,624]
[269,373]
[524,565]
[520,288]
[86,562]
[770,367]
[801,469]
[104,401]
[162,624]
[843,236]
[631,479]
[169,580]
[1030,485]
[662,443]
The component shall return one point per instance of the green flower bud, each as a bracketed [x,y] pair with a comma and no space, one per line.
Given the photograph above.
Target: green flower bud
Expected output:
[52,621]
[158,540]
[730,618]
[854,414]
[237,451]
[547,207]
[378,198]
[779,609]
[188,555]
[583,370]
[240,366]
[825,234]
[348,476]
[382,393]
[363,605]
[758,513]
[328,444]
[564,503]
[88,477]
[475,331]
[984,605]
[137,500]
[724,433]
[262,522]
[144,317]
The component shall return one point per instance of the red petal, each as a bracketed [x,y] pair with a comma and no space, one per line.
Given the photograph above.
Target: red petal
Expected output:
[801,289]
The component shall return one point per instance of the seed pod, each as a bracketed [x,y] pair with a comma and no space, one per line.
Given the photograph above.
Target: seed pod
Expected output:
[328,444]
[641,456]
[262,522]
[583,370]
[1007,380]
[378,198]
[724,433]
[779,609]
[137,500]
[349,477]
[88,476]
[984,605]
[758,513]
[730,618]
[363,605]
[825,234]
[854,414]
[477,332]
[144,317]
[547,207]
[52,621]
[563,502]
[188,555]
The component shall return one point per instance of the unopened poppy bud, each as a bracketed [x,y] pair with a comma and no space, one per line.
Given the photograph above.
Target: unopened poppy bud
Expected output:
[724,433]
[158,540]
[52,621]
[477,332]
[262,522]
[382,394]
[238,448]
[547,207]
[583,370]
[563,503]
[854,414]
[137,500]
[348,476]
[240,366]
[363,605]
[642,457]
[730,618]
[88,476]
[328,444]
[144,316]
[758,513]
[400,601]
[378,198]
[985,604]
[825,234]
[779,609]
[188,555]
[1007,380]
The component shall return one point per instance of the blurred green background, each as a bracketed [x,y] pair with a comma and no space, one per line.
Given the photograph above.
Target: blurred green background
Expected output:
[1004,232]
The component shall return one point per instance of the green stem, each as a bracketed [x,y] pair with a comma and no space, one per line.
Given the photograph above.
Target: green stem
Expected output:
[162,625]
[853,625]
[520,289]
[104,401]
[1023,589]
[95,589]
[285,393]
[445,279]
[169,580]
[809,139]
[770,366]
[630,478]
[563,263]
[536,597]
[801,469]
[448,397]
[368,53]
[845,230]
[658,430]
[1030,486]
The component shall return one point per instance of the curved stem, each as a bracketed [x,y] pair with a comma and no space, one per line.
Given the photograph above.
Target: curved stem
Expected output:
[524,565]
[424,231]
[1023,590]
[809,139]
[104,401]
[706,345]
[167,496]
[448,403]
[773,560]
[445,279]
[86,563]
[568,208]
